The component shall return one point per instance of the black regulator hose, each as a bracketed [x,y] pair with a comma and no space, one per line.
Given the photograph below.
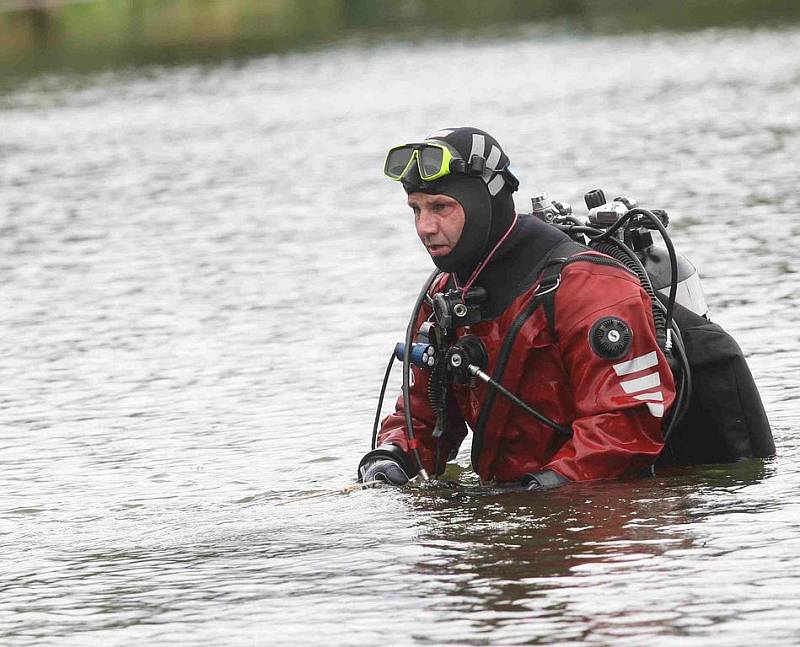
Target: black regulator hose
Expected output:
[604,241]
[673,258]
[412,440]
[625,255]
[684,389]
[621,252]
[380,402]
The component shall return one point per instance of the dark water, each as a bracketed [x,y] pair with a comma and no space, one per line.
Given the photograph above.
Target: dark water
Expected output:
[203,273]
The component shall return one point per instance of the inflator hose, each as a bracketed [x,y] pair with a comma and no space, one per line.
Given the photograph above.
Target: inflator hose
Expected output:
[566,431]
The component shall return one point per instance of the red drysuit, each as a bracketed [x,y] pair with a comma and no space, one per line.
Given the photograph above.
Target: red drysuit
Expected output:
[615,406]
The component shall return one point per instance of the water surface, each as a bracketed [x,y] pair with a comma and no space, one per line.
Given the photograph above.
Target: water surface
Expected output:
[203,273]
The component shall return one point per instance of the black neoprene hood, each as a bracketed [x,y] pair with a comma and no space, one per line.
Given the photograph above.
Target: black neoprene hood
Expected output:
[486,199]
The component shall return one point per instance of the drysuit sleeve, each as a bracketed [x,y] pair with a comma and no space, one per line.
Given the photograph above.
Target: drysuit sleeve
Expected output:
[621,382]
[433,451]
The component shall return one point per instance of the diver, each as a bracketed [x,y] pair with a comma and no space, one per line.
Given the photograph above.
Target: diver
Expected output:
[588,387]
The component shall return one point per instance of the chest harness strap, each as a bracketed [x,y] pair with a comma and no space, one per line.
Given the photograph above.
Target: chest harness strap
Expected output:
[548,272]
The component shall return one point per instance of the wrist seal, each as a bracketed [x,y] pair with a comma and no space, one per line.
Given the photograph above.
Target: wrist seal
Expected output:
[543,480]
[391,452]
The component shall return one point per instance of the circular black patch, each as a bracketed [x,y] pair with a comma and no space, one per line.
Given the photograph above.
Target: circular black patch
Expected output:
[610,338]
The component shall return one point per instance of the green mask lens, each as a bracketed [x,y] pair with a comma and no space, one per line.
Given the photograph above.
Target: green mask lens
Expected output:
[432,158]
[430,161]
[397,161]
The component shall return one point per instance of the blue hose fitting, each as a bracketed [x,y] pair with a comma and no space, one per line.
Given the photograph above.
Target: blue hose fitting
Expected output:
[422,354]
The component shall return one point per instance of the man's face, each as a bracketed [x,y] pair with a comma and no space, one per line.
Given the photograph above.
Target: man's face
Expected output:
[439,220]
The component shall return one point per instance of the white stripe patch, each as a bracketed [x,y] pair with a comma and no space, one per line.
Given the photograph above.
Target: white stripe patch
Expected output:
[494,157]
[656,409]
[636,364]
[478,146]
[649,381]
[440,134]
[496,184]
[656,396]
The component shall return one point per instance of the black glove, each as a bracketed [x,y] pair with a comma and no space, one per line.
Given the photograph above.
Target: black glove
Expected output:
[388,463]
[543,480]
[383,469]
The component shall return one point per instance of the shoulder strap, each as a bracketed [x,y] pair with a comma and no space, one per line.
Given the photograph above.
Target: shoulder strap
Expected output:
[551,274]
[550,278]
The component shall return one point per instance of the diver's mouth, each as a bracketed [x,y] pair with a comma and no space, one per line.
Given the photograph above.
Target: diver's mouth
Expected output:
[438,250]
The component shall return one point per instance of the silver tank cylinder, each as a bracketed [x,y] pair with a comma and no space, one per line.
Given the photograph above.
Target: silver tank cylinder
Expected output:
[690,293]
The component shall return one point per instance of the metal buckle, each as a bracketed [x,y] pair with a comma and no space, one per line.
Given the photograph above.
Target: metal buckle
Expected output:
[540,292]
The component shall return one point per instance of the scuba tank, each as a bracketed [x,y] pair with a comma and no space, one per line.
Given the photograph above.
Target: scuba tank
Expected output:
[690,293]
[718,415]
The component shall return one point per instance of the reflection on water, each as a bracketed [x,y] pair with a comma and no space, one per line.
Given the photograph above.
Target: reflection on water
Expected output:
[507,558]
[203,275]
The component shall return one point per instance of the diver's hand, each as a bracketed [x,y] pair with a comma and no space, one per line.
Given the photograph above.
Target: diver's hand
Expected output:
[543,480]
[383,469]
[387,463]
